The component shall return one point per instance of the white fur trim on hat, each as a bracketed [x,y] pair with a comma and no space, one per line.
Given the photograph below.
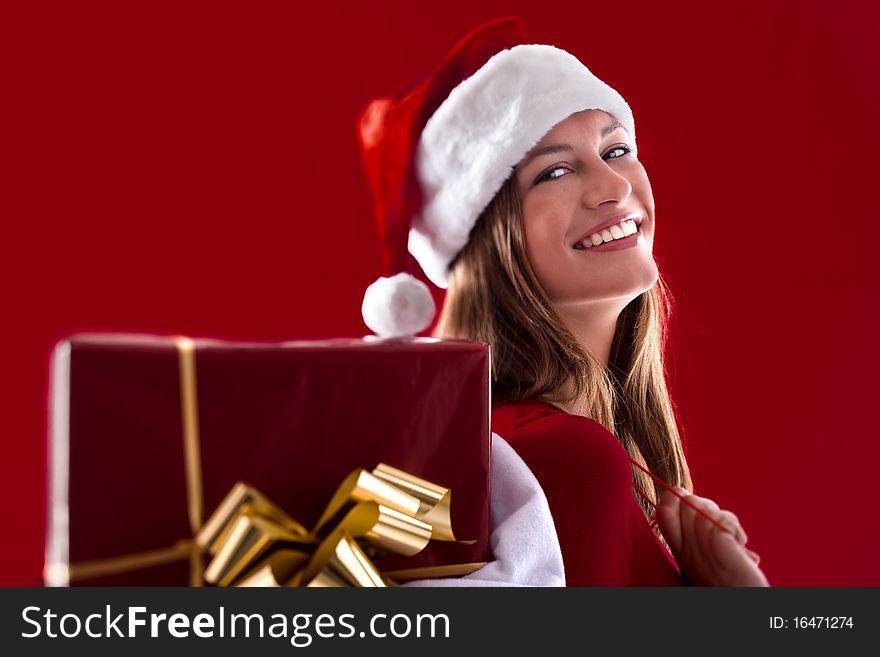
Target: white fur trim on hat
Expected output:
[397,306]
[483,129]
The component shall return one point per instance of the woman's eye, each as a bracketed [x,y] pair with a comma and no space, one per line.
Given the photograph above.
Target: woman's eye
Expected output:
[559,171]
[553,174]
[623,149]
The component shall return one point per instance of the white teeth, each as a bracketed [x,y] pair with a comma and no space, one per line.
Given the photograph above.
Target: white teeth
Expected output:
[616,232]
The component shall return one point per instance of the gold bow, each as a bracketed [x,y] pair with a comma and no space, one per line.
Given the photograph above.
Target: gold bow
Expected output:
[386,511]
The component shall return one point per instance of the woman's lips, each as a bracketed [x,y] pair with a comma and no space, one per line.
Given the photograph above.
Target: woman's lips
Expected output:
[616,245]
[607,224]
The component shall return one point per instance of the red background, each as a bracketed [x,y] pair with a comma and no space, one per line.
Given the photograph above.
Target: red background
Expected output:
[193,168]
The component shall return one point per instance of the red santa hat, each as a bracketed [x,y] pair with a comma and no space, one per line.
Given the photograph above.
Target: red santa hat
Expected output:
[437,153]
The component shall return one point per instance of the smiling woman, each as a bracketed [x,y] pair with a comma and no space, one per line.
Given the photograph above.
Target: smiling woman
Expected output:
[511,173]
[595,200]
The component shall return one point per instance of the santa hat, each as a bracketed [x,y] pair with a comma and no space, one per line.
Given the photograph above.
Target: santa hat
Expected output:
[437,153]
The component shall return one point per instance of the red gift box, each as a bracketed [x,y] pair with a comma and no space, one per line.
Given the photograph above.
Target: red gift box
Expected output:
[292,419]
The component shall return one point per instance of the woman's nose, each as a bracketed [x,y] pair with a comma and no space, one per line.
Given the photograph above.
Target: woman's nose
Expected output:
[602,183]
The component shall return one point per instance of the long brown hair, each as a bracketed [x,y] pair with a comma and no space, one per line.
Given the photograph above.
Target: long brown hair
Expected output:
[494,296]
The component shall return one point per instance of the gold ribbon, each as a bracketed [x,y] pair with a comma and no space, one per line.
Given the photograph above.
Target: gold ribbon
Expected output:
[389,511]
[256,543]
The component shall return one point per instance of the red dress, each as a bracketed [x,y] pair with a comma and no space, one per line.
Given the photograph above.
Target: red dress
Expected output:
[587,478]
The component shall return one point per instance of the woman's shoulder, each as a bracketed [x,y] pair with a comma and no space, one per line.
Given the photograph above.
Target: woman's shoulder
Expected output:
[537,415]
[541,432]
[511,417]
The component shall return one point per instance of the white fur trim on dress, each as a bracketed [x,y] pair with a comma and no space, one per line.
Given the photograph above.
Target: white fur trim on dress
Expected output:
[483,129]
[525,546]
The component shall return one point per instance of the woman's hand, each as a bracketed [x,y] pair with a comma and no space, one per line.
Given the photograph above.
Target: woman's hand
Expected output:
[707,555]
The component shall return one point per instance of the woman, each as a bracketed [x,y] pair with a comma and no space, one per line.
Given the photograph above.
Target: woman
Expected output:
[512,171]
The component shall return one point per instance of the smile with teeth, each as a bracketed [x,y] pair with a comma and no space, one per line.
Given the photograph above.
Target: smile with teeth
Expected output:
[616,232]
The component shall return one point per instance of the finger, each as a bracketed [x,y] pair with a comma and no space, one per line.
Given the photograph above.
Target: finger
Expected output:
[724,518]
[669,520]
[754,555]
[712,553]
[708,503]
[705,523]
[737,566]
[694,536]
[729,520]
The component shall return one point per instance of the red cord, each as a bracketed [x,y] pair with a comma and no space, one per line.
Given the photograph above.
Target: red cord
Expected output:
[678,495]
[647,499]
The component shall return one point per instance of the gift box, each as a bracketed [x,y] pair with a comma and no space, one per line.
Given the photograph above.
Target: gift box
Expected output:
[148,434]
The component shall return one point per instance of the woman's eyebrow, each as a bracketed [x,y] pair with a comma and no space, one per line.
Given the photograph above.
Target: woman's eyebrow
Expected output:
[561,148]
[544,150]
[611,127]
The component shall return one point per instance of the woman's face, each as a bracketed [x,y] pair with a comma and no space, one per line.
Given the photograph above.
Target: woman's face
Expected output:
[576,180]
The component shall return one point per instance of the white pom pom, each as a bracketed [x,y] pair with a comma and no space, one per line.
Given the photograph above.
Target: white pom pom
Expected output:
[397,306]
